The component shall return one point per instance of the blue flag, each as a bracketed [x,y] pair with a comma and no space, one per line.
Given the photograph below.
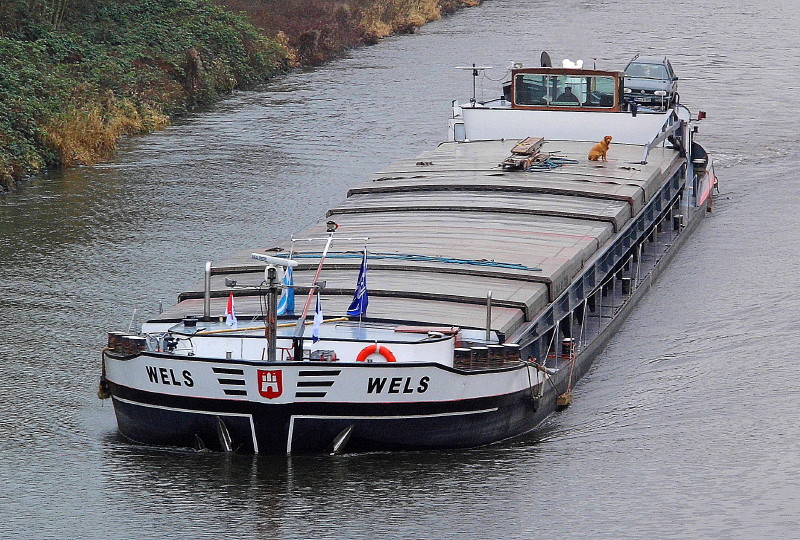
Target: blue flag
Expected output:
[317,321]
[358,307]
[286,301]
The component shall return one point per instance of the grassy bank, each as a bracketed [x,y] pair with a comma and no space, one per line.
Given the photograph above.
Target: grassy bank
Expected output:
[76,75]
[317,30]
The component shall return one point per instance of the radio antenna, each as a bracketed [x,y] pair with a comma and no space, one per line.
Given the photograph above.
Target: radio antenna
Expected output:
[475,72]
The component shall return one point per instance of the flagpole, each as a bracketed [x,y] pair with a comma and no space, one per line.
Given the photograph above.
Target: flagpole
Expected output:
[299,329]
[271,317]
[297,338]
[271,326]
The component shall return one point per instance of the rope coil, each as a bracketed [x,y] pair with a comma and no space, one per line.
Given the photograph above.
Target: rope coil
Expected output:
[551,163]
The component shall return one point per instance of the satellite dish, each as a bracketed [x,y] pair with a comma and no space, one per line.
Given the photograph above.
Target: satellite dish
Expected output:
[546,62]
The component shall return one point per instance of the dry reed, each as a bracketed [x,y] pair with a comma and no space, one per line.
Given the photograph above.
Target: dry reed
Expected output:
[88,133]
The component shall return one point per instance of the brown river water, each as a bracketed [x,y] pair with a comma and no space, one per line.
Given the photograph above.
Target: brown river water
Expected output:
[687,426]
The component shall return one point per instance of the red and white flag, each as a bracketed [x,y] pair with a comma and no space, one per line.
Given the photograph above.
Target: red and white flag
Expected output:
[230,314]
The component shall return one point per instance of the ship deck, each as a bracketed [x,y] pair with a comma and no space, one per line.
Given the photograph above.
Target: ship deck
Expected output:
[522,235]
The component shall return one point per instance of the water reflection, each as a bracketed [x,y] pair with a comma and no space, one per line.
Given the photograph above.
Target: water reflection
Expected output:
[312,496]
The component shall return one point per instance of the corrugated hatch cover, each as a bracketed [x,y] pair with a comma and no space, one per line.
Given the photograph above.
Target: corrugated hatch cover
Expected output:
[455,202]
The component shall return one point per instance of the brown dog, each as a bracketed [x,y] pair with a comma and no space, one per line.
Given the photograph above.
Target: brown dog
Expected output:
[599,150]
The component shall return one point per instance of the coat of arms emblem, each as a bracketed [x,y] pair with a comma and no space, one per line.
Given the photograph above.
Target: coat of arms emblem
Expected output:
[270,383]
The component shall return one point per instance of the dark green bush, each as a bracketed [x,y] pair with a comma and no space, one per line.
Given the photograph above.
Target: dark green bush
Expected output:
[58,56]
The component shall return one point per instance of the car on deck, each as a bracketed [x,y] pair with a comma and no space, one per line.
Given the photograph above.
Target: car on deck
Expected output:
[651,81]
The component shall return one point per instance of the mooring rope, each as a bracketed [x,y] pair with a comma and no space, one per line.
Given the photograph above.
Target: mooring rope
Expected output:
[551,163]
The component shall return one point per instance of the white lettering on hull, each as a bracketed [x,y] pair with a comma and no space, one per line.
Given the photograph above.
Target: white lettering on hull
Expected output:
[378,385]
[162,375]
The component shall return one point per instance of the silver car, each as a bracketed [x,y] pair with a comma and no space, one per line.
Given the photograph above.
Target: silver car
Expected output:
[650,81]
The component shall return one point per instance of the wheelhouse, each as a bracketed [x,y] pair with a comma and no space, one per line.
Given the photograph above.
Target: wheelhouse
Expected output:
[566,89]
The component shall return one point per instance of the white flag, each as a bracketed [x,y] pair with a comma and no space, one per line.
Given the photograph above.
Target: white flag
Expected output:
[317,321]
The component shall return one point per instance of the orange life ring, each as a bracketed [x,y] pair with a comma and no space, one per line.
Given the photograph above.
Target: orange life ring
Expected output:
[375,348]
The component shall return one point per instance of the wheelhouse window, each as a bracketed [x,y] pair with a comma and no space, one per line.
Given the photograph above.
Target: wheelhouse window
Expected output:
[538,90]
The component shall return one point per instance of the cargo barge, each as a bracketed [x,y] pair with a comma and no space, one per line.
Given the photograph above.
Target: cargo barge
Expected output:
[456,296]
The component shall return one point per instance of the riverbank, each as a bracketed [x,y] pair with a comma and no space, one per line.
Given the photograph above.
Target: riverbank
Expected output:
[317,30]
[75,78]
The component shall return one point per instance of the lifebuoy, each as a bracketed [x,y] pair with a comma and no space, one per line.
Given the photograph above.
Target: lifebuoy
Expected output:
[375,348]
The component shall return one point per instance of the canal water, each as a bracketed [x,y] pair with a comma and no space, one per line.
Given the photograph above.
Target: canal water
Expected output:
[687,426]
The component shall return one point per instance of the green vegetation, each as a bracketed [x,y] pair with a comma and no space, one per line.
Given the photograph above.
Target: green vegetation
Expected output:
[76,75]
